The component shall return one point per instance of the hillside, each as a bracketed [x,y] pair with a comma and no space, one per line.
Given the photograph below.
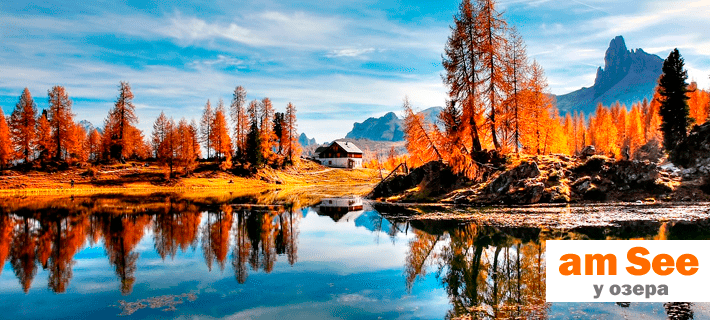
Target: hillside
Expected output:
[387,127]
[628,76]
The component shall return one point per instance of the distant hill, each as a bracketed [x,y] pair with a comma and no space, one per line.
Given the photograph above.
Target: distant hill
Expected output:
[387,127]
[304,141]
[87,126]
[628,76]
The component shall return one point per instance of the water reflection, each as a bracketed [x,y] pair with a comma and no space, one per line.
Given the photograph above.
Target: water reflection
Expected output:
[483,271]
[499,273]
[49,237]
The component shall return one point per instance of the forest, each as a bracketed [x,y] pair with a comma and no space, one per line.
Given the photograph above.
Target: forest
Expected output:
[499,100]
[52,139]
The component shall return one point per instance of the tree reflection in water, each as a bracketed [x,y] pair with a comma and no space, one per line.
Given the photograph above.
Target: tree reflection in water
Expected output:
[487,272]
[499,272]
[51,234]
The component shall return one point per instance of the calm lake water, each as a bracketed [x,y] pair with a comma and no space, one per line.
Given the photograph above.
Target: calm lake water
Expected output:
[248,258]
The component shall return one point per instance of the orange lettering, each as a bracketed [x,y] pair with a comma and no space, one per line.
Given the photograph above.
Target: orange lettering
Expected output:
[570,267]
[600,259]
[663,264]
[633,258]
[687,264]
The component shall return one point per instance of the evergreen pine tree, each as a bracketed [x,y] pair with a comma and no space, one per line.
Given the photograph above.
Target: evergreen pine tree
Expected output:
[674,110]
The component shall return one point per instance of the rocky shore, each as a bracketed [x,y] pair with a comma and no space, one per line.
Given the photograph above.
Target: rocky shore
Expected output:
[563,179]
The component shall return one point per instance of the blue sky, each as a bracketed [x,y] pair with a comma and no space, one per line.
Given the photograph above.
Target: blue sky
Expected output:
[337,61]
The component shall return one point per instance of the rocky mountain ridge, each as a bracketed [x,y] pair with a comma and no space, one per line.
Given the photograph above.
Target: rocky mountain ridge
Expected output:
[628,76]
[387,127]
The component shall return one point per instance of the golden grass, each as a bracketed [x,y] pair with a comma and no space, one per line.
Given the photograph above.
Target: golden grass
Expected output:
[139,180]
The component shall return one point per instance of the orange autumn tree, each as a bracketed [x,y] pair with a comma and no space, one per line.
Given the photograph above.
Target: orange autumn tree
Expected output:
[698,102]
[76,145]
[290,134]
[492,40]
[634,127]
[5,144]
[120,135]
[219,134]
[652,118]
[266,129]
[45,145]
[537,110]
[93,145]
[163,140]
[603,132]
[517,73]
[206,126]
[240,121]
[22,127]
[187,147]
[421,137]
[61,120]
[462,65]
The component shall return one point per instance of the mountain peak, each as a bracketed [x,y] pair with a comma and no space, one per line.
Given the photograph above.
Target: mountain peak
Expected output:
[628,76]
[617,62]
[388,127]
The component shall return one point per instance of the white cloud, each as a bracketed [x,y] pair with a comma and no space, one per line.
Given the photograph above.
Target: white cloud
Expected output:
[349,52]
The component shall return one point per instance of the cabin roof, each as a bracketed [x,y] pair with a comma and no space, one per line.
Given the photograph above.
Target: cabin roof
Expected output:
[320,149]
[349,147]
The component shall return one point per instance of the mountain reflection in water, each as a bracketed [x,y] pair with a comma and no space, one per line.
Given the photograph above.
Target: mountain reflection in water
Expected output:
[450,269]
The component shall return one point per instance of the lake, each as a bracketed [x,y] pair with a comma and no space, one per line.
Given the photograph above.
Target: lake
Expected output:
[305,257]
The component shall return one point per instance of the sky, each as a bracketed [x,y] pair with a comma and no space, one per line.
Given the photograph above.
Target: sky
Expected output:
[338,61]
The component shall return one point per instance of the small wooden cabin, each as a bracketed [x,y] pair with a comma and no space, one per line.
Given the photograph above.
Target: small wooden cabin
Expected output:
[341,154]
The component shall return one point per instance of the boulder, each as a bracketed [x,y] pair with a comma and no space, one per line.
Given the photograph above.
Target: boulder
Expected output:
[594,193]
[526,170]
[582,184]
[557,194]
[514,177]
[588,151]
[530,193]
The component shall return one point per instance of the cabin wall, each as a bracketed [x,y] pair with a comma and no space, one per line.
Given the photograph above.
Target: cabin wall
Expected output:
[341,162]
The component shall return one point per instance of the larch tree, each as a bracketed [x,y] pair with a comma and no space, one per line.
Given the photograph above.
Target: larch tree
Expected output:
[421,140]
[220,140]
[44,137]
[22,127]
[462,64]
[94,145]
[161,126]
[493,43]
[5,142]
[293,148]
[120,122]
[76,146]
[206,128]
[186,148]
[651,117]
[240,120]
[517,70]
[61,120]
[255,153]
[635,129]
[698,101]
[268,137]
[674,110]
[604,132]
[537,111]
[195,133]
